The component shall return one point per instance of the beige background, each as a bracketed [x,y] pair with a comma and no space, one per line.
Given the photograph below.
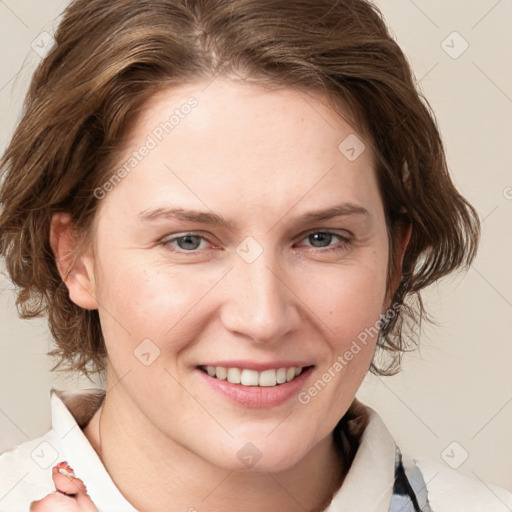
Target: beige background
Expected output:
[454,397]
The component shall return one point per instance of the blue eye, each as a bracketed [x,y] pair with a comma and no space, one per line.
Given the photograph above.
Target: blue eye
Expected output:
[187,243]
[324,239]
[193,243]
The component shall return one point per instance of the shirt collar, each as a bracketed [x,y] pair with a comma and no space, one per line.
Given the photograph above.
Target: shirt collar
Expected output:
[367,486]
[79,453]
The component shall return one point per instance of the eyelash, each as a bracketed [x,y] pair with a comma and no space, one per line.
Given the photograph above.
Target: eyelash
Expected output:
[344,242]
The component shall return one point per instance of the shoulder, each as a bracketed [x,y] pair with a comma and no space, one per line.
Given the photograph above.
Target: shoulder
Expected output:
[451,491]
[24,475]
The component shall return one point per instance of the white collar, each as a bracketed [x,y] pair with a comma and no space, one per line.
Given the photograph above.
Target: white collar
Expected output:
[79,453]
[368,484]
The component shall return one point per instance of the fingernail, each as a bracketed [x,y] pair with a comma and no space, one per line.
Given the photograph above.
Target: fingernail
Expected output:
[68,472]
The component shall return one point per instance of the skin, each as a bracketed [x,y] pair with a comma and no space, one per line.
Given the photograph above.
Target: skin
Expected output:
[70,495]
[259,159]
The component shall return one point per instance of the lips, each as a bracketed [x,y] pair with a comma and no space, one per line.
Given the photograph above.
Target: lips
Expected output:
[251,395]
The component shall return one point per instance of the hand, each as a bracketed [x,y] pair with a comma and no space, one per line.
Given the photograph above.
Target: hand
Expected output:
[70,496]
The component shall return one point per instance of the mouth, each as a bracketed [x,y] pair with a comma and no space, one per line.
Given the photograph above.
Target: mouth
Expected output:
[272,377]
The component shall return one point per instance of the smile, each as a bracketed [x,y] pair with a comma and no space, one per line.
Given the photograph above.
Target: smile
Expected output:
[247,377]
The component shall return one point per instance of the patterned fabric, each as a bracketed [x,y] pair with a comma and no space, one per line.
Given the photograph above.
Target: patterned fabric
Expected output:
[409,489]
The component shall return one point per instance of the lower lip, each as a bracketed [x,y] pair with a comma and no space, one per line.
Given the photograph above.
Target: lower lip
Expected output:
[257,397]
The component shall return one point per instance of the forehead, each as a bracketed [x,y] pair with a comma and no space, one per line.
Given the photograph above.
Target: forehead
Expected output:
[226,111]
[227,142]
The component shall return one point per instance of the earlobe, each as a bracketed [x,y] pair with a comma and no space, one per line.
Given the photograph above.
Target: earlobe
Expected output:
[76,270]
[402,240]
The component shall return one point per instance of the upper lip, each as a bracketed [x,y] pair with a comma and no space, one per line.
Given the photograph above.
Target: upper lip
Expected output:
[260,367]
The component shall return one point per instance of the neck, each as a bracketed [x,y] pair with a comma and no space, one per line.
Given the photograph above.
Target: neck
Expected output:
[155,473]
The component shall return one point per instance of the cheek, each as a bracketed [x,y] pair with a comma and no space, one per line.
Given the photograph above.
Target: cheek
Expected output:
[348,298]
[143,300]
[350,301]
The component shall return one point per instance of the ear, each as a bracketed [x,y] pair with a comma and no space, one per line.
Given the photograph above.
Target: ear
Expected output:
[76,272]
[402,239]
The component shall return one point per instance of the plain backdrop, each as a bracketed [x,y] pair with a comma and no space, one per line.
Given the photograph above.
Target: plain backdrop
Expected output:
[452,402]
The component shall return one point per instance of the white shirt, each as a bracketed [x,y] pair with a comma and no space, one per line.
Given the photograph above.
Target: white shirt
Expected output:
[371,484]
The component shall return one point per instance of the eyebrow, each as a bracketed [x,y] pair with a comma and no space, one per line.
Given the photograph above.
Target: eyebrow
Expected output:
[212,219]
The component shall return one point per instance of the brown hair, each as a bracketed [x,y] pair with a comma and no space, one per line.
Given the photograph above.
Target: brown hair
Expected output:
[111,55]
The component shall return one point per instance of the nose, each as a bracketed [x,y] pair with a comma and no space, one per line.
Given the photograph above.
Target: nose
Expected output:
[259,303]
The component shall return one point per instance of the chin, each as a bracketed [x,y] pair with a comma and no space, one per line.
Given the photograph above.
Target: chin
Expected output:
[257,457]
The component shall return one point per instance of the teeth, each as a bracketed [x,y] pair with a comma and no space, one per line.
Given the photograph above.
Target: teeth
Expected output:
[268,378]
[221,373]
[245,377]
[249,378]
[281,375]
[234,375]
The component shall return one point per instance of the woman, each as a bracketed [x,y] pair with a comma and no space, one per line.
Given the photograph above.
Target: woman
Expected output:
[228,208]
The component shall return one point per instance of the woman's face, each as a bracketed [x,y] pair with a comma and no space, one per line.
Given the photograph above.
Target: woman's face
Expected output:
[275,257]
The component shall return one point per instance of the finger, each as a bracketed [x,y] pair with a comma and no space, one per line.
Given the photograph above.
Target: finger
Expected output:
[56,502]
[66,467]
[70,484]
[85,503]
[67,484]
